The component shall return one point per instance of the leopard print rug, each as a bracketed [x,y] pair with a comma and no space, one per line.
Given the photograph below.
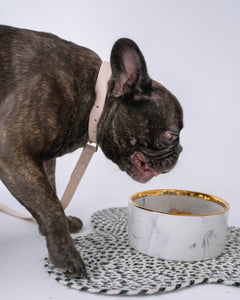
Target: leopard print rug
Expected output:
[114,268]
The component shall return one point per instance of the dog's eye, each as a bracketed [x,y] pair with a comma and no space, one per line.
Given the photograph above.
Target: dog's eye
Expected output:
[171,136]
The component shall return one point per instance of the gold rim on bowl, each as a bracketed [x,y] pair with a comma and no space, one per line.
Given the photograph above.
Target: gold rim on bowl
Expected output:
[192,194]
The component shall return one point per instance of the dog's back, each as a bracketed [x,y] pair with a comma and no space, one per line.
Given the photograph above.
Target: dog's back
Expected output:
[7,35]
[25,54]
[42,78]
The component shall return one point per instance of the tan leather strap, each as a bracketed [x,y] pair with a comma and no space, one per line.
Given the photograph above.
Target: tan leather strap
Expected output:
[14,213]
[89,149]
[77,173]
[96,112]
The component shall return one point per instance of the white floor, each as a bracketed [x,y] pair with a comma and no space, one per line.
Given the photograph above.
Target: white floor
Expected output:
[193,48]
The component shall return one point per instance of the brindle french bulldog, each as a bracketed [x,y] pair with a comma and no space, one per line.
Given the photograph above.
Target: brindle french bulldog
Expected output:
[47,90]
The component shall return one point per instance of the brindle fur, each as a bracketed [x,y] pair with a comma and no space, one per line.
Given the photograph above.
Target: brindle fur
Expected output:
[47,90]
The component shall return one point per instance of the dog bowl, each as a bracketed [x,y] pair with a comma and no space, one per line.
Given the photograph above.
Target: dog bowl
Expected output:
[155,231]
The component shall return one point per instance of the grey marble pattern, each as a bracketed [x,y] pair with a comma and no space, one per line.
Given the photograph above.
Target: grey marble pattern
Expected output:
[177,237]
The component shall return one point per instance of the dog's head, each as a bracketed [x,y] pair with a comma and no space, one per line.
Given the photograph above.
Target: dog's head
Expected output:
[141,122]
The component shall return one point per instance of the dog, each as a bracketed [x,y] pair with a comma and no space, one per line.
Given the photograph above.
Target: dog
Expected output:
[47,90]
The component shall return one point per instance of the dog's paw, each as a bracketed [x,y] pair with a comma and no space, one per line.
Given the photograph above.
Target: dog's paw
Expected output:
[68,260]
[74,224]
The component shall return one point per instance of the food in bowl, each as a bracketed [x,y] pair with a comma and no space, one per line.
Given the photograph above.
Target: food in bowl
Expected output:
[175,211]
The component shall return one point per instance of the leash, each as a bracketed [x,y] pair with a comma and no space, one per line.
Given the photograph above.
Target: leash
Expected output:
[89,149]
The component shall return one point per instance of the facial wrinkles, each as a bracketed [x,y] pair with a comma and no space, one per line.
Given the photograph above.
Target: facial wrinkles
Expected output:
[159,154]
[118,137]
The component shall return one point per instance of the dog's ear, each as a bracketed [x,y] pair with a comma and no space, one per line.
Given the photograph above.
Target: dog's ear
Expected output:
[128,69]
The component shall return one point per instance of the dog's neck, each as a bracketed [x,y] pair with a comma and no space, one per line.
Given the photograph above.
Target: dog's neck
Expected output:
[101,92]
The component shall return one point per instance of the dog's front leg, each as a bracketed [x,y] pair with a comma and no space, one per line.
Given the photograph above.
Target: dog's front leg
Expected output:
[27,179]
[74,223]
[49,167]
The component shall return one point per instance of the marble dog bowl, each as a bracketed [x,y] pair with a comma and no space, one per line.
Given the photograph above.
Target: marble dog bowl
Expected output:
[154,231]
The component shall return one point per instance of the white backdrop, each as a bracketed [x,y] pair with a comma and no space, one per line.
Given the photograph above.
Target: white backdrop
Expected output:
[191,47]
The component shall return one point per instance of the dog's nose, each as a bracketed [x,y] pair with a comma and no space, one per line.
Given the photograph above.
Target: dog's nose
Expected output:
[180,148]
